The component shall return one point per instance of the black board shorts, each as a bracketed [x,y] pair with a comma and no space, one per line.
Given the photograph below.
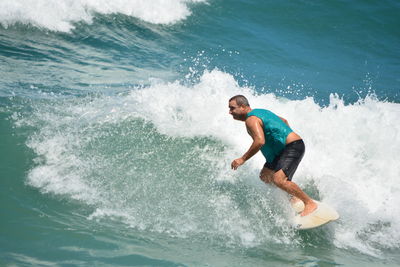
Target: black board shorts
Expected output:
[289,159]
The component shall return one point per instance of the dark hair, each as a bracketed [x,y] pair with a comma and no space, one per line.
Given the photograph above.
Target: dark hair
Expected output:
[240,100]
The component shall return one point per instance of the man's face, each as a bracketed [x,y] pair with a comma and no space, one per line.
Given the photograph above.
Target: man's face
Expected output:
[237,112]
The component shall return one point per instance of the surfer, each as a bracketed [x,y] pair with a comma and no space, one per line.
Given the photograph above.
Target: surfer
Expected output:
[282,148]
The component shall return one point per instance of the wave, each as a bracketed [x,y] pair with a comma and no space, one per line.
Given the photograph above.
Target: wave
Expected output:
[157,158]
[62,15]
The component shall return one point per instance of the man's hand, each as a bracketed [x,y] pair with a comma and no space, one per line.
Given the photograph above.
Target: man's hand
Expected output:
[236,163]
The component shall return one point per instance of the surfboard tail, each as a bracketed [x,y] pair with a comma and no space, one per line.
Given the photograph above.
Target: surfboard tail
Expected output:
[322,215]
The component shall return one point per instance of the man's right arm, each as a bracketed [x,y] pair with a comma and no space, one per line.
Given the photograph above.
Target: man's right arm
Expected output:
[256,131]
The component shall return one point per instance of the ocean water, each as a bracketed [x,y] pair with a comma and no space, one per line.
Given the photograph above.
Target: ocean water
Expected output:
[116,140]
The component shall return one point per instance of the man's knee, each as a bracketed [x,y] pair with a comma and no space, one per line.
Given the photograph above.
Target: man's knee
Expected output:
[265,179]
[279,179]
[266,175]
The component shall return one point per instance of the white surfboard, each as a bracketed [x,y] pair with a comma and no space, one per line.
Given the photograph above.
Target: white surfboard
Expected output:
[322,215]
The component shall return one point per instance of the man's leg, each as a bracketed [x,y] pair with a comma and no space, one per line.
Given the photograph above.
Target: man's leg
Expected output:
[266,175]
[280,180]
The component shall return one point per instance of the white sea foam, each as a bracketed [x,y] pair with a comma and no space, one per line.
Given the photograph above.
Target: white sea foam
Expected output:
[351,158]
[60,15]
[352,150]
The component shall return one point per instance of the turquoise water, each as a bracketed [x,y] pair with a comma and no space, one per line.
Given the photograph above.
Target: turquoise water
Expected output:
[117,142]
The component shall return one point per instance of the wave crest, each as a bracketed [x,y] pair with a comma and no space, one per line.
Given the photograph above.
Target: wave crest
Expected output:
[61,15]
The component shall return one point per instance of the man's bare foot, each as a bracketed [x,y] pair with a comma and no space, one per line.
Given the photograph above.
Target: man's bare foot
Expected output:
[297,204]
[309,208]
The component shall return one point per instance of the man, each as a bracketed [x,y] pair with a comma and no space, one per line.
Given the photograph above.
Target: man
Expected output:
[282,148]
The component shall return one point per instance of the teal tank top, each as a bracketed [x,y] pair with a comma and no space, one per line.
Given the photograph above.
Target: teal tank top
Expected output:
[275,132]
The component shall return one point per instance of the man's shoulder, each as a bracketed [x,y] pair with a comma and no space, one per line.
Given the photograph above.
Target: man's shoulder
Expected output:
[252,119]
[259,112]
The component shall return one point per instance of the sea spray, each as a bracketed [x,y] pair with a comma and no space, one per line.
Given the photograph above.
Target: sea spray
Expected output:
[158,157]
